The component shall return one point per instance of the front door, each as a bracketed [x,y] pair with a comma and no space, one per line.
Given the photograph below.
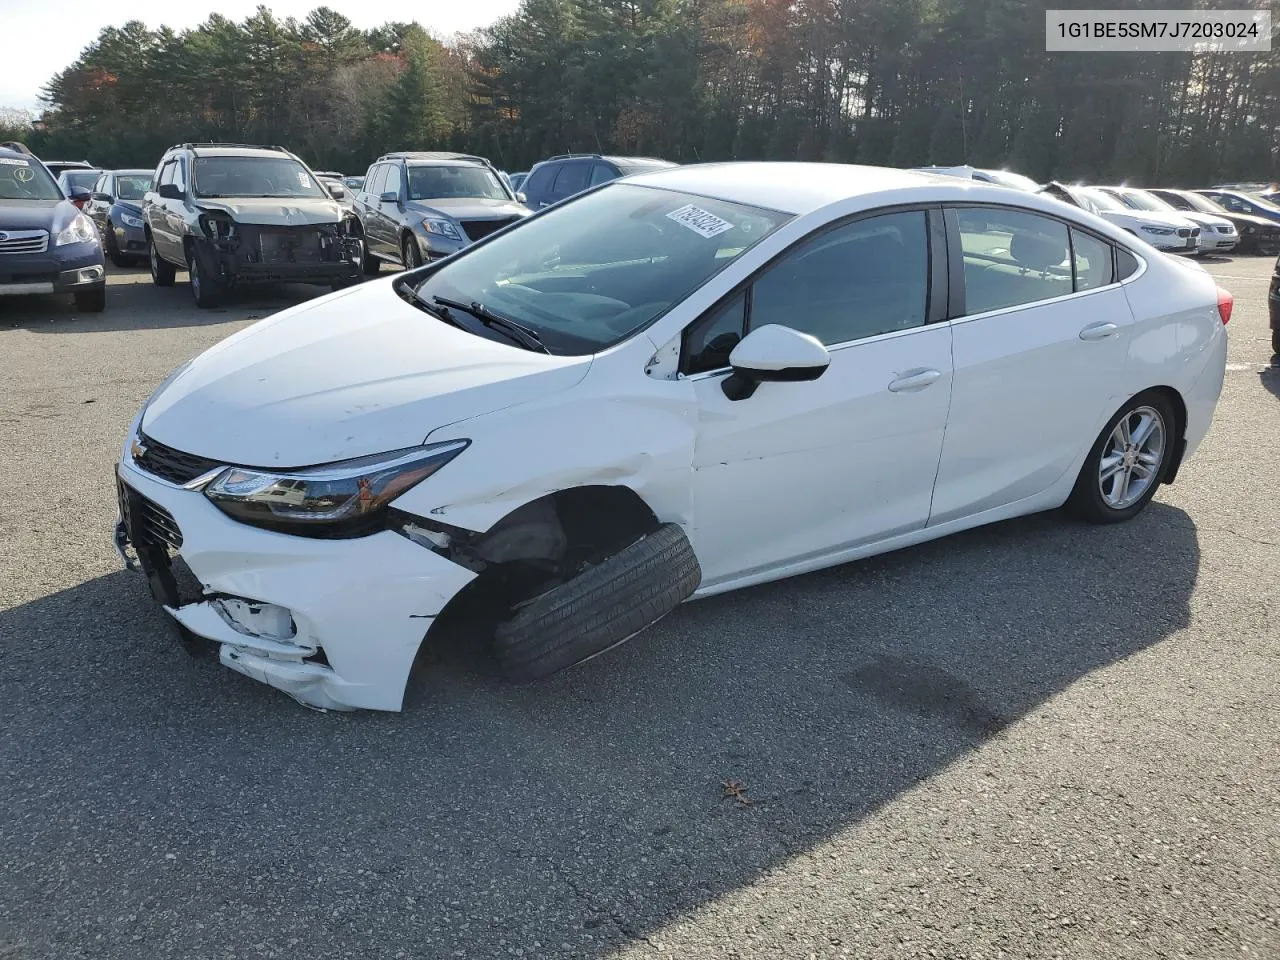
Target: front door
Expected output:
[799,470]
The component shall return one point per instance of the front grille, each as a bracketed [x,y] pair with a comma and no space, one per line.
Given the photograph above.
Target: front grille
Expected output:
[24,241]
[170,464]
[148,524]
[479,229]
[1184,232]
[290,246]
[28,277]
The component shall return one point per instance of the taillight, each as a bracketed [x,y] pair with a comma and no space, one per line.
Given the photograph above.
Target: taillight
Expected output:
[1225,302]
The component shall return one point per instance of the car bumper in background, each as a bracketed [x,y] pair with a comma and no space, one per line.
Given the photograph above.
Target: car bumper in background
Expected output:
[336,624]
[68,269]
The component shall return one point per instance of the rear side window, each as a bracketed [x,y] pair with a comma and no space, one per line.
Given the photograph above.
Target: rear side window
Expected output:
[571,179]
[1011,258]
[1092,260]
[374,179]
[1126,264]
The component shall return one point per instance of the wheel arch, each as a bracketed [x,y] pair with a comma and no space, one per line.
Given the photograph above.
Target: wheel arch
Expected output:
[1180,428]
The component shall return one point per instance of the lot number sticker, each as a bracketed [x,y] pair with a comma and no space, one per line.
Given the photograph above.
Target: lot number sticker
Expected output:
[702,222]
[11,162]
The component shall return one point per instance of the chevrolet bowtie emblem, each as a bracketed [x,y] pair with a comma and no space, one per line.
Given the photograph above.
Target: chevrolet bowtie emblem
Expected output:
[137,449]
[3,237]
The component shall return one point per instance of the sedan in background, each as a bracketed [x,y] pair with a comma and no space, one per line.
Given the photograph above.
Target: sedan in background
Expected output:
[518,179]
[1257,234]
[335,183]
[1165,232]
[1217,233]
[77,184]
[1237,201]
[116,207]
[676,385]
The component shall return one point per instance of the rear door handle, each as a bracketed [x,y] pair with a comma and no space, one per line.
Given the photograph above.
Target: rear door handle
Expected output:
[1098,331]
[914,380]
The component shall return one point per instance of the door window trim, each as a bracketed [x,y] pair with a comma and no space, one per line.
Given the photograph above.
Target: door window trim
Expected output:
[935,287]
[955,311]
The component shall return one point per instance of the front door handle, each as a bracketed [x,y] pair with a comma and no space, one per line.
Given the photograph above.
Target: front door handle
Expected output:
[1098,331]
[914,380]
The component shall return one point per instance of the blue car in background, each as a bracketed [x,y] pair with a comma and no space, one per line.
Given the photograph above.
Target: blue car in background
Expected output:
[116,207]
[1238,201]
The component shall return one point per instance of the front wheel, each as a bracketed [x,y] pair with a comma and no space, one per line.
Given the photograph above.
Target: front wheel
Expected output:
[162,271]
[1275,341]
[206,290]
[368,262]
[410,254]
[1126,463]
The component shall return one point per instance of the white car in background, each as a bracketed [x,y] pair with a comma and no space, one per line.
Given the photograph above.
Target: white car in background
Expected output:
[1217,234]
[671,386]
[1172,234]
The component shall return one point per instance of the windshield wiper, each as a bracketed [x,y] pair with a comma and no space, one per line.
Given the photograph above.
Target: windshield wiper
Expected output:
[517,331]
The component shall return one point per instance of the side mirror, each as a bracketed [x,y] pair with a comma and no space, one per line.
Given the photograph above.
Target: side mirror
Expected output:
[101,197]
[169,191]
[336,190]
[521,197]
[389,197]
[773,353]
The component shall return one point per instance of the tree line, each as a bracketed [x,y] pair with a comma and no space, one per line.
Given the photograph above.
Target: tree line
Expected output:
[897,82]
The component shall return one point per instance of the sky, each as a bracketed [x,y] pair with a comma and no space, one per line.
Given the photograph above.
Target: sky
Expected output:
[39,39]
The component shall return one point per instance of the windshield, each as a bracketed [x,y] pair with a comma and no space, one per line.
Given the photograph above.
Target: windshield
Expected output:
[75,179]
[1197,202]
[1141,200]
[461,182]
[1015,180]
[591,272]
[132,186]
[253,177]
[1259,201]
[1101,199]
[22,179]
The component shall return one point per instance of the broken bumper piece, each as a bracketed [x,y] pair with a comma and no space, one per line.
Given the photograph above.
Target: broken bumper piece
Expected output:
[336,624]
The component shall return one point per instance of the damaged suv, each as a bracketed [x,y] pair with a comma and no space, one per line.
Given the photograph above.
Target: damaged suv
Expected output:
[231,214]
[673,385]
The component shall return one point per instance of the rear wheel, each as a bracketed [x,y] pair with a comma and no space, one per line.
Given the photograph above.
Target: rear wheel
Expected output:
[162,271]
[1275,341]
[91,301]
[1120,475]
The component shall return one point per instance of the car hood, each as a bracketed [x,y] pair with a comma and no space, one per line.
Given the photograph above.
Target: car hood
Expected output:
[354,373]
[470,208]
[51,215]
[289,212]
[1139,218]
[1204,219]
[1242,220]
[129,206]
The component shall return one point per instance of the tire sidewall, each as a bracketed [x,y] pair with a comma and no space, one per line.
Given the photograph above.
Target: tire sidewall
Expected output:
[1086,498]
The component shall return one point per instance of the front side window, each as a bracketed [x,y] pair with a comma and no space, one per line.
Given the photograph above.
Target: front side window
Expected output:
[392,183]
[465,181]
[1092,260]
[180,176]
[24,179]
[861,279]
[132,186]
[1011,258]
[280,177]
[571,179]
[166,172]
[591,273]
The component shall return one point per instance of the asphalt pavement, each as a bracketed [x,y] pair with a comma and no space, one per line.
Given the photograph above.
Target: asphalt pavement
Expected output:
[1038,739]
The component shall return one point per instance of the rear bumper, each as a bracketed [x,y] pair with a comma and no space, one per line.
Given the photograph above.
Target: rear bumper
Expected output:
[68,269]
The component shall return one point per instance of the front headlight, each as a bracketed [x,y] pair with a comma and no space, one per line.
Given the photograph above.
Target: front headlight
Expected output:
[444,228]
[345,499]
[131,221]
[77,231]
[1160,231]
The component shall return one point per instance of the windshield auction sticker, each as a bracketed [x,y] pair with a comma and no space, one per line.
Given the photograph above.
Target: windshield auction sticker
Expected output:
[1198,31]
[702,222]
[12,162]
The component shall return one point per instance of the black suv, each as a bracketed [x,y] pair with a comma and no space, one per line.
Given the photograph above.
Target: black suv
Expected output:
[561,177]
[46,244]
[231,213]
[420,206]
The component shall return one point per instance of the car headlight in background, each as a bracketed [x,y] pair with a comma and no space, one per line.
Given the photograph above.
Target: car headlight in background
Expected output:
[336,500]
[78,230]
[1160,231]
[131,221]
[444,228]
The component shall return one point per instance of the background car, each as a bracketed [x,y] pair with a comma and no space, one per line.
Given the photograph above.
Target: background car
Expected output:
[1167,232]
[232,214]
[1257,234]
[518,179]
[1273,308]
[333,182]
[77,184]
[116,207]
[1238,201]
[58,167]
[418,206]
[46,244]
[1217,233]
[1004,178]
[354,184]
[561,177]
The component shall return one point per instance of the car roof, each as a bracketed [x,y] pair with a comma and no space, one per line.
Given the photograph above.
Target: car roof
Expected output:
[134,171]
[429,156]
[800,188]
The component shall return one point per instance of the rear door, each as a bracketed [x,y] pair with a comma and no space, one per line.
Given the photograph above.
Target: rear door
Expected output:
[367,208]
[388,215]
[98,209]
[1040,334]
[571,178]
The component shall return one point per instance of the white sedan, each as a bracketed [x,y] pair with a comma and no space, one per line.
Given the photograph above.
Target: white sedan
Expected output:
[671,386]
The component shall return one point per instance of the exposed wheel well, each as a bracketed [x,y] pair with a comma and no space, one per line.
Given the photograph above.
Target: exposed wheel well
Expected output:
[535,547]
[1179,430]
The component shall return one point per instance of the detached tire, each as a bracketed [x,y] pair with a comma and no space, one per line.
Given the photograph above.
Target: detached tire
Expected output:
[600,608]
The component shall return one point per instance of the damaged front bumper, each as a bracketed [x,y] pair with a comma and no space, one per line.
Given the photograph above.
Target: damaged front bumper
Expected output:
[248,253]
[336,624]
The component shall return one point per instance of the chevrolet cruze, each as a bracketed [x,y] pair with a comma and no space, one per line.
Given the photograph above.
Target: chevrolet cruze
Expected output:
[668,387]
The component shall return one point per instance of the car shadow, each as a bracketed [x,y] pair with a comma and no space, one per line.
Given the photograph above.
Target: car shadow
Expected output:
[1269,377]
[566,817]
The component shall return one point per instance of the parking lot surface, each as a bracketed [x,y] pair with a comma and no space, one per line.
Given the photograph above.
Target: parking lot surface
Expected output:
[1037,739]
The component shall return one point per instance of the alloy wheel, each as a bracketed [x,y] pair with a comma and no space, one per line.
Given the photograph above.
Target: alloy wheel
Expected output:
[1131,459]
